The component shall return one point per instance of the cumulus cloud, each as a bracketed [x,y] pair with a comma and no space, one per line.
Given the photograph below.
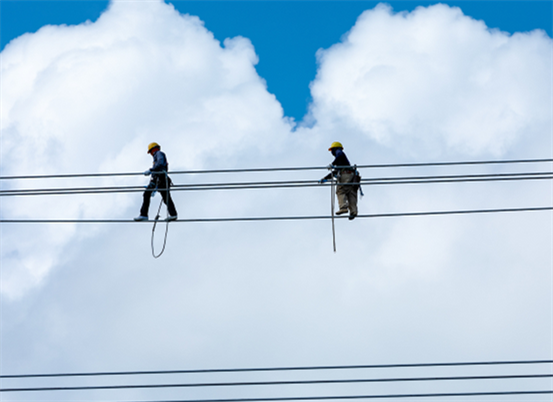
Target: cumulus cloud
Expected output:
[437,81]
[88,98]
[425,84]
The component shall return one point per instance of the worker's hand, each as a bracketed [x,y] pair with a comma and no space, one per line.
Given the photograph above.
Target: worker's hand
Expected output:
[147,172]
[323,181]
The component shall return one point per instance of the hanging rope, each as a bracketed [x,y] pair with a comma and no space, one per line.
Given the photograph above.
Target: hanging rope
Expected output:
[154,230]
[157,219]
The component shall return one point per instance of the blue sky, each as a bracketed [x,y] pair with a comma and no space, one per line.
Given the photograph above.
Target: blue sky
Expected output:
[285,34]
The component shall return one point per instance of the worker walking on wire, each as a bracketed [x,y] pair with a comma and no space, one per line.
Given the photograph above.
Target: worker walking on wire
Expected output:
[159,182]
[348,179]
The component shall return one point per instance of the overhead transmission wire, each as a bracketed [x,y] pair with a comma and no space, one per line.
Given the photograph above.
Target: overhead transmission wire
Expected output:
[286,184]
[289,184]
[278,383]
[346,397]
[283,169]
[290,218]
[334,397]
[306,382]
[349,397]
[284,368]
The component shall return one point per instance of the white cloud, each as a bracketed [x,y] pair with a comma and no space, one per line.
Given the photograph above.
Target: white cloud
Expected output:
[432,83]
[436,81]
[89,98]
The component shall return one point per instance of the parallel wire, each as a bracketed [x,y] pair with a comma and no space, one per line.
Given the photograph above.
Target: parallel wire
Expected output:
[346,397]
[285,184]
[382,396]
[375,166]
[288,218]
[305,382]
[272,383]
[375,181]
[285,368]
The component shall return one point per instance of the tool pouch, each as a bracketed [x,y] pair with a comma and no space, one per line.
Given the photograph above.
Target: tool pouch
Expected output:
[356,179]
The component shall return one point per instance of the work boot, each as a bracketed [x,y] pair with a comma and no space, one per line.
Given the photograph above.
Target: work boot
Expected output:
[172,218]
[352,216]
[342,211]
[141,218]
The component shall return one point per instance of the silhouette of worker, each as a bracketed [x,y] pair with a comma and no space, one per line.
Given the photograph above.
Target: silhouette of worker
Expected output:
[346,175]
[159,182]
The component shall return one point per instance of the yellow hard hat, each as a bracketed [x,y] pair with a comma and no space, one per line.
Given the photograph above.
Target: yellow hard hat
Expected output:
[152,146]
[335,144]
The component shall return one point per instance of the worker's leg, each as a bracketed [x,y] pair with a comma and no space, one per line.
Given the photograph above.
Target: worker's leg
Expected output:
[166,196]
[343,190]
[342,199]
[352,200]
[146,201]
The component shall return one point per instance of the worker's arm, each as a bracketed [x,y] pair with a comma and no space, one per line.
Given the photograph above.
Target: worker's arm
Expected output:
[326,178]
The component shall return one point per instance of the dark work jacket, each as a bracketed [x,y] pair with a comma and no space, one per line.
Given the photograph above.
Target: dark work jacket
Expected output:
[340,159]
[160,162]
[159,171]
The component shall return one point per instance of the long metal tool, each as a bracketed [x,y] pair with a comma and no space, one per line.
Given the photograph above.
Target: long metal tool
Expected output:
[332,194]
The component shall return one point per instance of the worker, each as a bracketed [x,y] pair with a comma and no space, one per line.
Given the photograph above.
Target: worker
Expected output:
[347,177]
[159,182]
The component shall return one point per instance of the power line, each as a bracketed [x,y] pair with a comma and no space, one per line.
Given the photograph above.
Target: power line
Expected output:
[277,383]
[377,396]
[282,169]
[307,382]
[285,184]
[382,396]
[285,368]
[288,218]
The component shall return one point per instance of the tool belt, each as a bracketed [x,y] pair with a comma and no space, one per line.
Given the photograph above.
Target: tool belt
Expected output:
[338,172]
[159,177]
[355,179]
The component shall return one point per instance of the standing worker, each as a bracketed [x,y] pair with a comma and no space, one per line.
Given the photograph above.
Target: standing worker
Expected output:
[159,182]
[347,177]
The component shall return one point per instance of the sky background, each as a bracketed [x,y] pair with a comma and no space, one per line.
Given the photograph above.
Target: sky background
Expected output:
[86,86]
[286,34]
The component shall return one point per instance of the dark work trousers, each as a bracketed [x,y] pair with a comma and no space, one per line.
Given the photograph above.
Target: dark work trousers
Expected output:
[159,181]
[347,194]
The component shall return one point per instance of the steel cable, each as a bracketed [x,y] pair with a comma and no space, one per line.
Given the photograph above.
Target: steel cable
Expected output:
[283,169]
[285,184]
[382,396]
[307,382]
[286,368]
[278,383]
[289,218]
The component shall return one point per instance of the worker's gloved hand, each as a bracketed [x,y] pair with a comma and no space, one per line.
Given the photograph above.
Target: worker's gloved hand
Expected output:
[323,181]
[147,172]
